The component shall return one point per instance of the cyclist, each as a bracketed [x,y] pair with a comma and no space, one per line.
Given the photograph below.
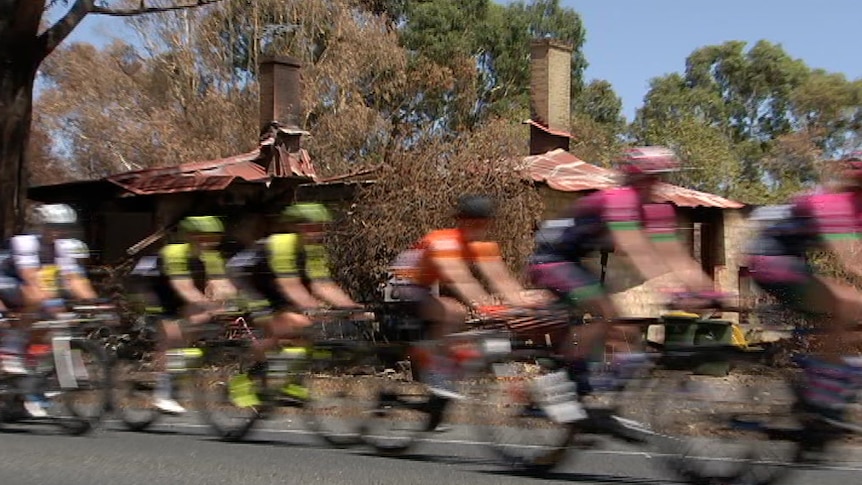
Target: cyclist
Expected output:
[622,219]
[446,259]
[827,220]
[42,268]
[180,275]
[290,270]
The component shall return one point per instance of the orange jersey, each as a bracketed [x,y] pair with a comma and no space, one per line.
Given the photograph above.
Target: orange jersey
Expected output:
[418,263]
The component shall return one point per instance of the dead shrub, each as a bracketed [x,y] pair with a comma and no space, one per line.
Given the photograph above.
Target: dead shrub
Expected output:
[415,192]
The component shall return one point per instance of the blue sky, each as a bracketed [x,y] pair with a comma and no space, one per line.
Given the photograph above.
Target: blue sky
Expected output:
[631,41]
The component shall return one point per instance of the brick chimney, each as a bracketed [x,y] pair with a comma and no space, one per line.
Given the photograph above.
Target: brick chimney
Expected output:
[550,95]
[280,91]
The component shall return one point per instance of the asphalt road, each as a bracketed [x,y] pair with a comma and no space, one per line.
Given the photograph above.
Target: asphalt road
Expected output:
[180,452]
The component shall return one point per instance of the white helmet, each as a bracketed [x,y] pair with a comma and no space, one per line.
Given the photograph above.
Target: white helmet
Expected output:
[56,214]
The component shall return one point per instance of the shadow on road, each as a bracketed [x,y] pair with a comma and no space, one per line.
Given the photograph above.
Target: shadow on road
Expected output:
[266,442]
[581,477]
[448,460]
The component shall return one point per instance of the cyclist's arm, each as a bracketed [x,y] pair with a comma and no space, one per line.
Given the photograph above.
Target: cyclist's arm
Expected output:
[331,293]
[630,240]
[836,229]
[457,275]
[847,248]
[494,269]
[283,253]
[80,287]
[621,212]
[176,267]
[684,267]
[25,255]
[73,274]
[216,272]
[668,247]
[322,285]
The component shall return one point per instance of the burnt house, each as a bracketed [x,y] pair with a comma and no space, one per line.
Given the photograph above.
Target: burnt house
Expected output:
[126,214]
[713,227]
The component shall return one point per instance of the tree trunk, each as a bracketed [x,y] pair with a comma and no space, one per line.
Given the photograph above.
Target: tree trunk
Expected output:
[17,76]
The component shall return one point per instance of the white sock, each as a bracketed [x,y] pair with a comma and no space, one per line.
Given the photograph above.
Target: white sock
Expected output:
[164,386]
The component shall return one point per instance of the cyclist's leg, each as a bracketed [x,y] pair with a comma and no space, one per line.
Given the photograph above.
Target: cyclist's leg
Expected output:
[286,322]
[830,381]
[13,336]
[442,316]
[171,339]
[577,287]
[24,300]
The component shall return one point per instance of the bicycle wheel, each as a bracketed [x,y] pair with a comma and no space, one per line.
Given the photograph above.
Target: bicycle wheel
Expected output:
[79,385]
[503,405]
[135,382]
[211,388]
[340,381]
[404,410]
[737,429]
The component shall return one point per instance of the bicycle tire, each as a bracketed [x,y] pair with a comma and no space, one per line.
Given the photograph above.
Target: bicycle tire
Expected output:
[542,462]
[200,383]
[133,422]
[432,409]
[322,358]
[77,424]
[674,450]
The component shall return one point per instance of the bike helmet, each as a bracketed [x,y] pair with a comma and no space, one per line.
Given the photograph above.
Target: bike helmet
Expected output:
[649,160]
[474,206]
[56,214]
[307,212]
[202,224]
[854,163]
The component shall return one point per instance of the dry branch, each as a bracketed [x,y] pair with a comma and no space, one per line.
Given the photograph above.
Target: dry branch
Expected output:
[143,9]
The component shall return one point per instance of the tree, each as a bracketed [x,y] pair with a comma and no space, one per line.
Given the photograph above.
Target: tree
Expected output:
[774,111]
[145,112]
[486,47]
[708,155]
[827,107]
[23,48]
[416,191]
[185,93]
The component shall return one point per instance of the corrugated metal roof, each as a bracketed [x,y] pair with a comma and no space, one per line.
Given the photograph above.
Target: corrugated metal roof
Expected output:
[544,128]
[562,171]
[214,174]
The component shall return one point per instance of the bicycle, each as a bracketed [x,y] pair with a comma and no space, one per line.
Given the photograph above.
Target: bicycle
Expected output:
[625,404]
[62,363]
[782,421]
[220,344]
[405,402]
[290,379]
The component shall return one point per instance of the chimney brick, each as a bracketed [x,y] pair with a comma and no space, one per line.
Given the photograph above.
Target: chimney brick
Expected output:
[551,83]
[280,90]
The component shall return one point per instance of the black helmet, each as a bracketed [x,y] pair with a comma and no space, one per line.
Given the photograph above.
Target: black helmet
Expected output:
[475,206]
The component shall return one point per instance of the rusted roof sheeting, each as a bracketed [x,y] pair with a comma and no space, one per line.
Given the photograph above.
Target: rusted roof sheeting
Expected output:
[562,171]
[544,128]
[213,174]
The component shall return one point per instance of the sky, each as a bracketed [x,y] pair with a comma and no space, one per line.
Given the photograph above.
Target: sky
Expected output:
[630,42]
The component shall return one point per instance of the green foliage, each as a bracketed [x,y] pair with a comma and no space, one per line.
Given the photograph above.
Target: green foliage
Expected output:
[494,40]
[754,121]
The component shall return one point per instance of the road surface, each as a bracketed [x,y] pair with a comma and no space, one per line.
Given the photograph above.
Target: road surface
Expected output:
[177,451]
